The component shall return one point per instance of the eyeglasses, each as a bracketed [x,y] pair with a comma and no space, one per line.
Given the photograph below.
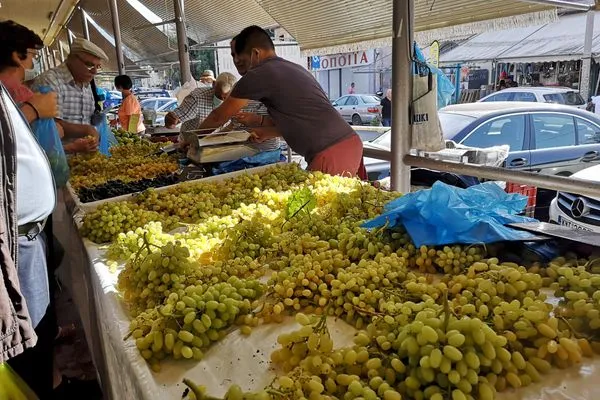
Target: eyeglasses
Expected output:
[89,65]
[34,54]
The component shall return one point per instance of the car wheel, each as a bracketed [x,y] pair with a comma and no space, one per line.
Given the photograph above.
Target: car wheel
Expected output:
[356,120]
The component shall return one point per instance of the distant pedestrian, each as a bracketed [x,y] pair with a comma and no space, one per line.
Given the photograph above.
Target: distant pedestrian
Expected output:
[590,106]
[386,109]
[351,89]
[596,101]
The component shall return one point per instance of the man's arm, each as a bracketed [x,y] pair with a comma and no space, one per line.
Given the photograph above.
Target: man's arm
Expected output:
[261,134]
[229,108]
[75,131]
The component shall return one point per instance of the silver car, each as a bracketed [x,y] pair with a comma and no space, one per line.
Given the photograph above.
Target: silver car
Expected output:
[358,109]
[554,95]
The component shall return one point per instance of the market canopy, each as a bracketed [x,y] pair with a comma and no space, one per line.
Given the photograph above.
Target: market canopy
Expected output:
[318,26]
[556,41]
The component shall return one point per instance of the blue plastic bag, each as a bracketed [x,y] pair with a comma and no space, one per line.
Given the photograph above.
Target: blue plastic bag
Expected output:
[445,88]
[47,135]
[446,214]
[264,158]
[107,138]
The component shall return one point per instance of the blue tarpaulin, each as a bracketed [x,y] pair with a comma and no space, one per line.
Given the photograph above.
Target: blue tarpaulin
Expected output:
[446,214]
[264,158]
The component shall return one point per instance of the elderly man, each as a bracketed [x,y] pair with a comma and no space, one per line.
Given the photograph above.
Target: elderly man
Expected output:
[200,102]
[71,80]
[207,78]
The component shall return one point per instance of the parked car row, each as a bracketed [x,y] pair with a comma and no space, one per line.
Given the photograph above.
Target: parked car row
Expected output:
[544,138]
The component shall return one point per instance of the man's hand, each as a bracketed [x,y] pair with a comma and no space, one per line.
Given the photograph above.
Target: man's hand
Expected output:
[171,120]
[45,104]
[248,119]
[259,135]
[91,131]
[84,145]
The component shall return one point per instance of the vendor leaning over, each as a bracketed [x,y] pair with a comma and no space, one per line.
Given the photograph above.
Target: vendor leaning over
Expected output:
[199,103]
[252,114]
[298,108]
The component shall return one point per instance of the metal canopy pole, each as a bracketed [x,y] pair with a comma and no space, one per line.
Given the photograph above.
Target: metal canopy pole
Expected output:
[86,27]
[53,55]
[62,51]
[586,60]
[182,43]
[401,92]
[114,12]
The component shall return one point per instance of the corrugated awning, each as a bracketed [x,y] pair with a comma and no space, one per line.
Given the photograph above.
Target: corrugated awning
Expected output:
[96,37]
[210,21]
[142,43]
[556,41]
[329,27]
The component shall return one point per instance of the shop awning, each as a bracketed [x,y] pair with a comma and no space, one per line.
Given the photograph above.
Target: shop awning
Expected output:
[487,46]
[556,41]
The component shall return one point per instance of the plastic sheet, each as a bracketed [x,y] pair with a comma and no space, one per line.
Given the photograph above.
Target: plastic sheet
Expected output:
[446,214]
[47,135]
[445,88]
[12,387]
[107,137]
[264,158]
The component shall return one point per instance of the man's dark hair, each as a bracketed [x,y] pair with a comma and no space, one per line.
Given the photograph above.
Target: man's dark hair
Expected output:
[123,82]
[253,37]
[16,37]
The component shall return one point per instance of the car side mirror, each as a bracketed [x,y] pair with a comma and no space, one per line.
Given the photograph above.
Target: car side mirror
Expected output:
[334,104]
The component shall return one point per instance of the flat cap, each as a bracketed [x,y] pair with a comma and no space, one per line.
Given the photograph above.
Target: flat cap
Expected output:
[81,45]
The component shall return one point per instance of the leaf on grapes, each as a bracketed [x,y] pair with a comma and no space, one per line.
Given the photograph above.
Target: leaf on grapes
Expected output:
[301,201]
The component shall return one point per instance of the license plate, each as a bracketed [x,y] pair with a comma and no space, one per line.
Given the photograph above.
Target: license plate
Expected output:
[570,224]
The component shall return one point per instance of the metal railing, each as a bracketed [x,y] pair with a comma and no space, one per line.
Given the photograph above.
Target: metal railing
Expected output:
[552,182]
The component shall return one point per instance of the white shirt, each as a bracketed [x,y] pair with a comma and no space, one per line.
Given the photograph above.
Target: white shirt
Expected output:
[596,101]
[75,104]
[36,196]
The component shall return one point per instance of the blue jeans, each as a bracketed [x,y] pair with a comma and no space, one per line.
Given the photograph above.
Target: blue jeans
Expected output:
[33,276]
[386,121]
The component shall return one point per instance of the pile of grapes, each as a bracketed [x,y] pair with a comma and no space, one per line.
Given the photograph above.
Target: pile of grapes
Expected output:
[123,137]
[432,323]
[127,164]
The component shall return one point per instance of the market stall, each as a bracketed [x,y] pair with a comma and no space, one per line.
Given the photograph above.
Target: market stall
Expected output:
[248,216]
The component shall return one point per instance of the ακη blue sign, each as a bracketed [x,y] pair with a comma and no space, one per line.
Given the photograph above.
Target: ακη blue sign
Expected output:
[315,62]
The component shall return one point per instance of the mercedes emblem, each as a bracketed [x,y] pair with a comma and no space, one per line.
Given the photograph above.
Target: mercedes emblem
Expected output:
[579,208]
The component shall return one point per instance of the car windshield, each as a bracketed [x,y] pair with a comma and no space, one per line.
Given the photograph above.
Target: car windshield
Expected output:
[370,99]
[566,98]
[453,123]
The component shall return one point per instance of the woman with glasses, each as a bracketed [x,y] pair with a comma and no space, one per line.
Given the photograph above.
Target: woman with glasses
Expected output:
[76,105]
[19,48]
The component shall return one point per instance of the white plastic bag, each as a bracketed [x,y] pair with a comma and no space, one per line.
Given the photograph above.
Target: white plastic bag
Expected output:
[426,130]
[181,92]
